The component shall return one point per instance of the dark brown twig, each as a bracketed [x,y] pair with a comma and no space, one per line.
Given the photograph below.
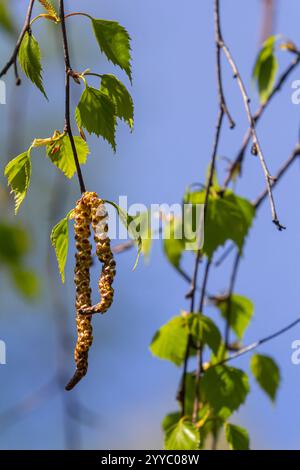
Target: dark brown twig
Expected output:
[13,58]
[68,71]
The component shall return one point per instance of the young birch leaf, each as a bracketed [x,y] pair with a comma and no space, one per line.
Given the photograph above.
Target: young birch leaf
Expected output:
[240,313]
[266,373]
[225,389]
[30,61]
[96,113]
[118,93]
[204,330]
[182,436]
[132,227]
[18,172]
[114,42]
[60,241]
[237,437]
[50,9]
[265,69]
[61,154]
[170,420]
[170,341]
[228,217]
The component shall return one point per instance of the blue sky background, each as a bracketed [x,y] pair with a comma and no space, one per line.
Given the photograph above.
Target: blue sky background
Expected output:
[127,390]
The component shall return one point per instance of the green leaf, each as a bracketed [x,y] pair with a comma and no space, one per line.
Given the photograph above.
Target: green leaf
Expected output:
[267,374]
[174,243]
[265,69]
[26,282]
[6,21]
[60,241]
[30,61]
[228,217]
[118,93]
[225,389]
[96,113]
[114,42]
[240,313]
[170,341]
[182,436]
[204,330]
[170,420]
[18,172]
[132,227]
[61,154]
[237,437]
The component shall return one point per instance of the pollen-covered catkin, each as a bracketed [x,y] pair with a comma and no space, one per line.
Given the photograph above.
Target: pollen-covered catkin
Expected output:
[90,210]
[103,250]
[83,290]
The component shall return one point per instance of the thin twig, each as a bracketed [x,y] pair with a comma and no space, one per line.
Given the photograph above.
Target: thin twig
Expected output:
[13,58]
[254,345]
[281,172]
[230,292]
[256,117]
[68,71]
[255,139]
[200,346]
[218,39]
[224,255]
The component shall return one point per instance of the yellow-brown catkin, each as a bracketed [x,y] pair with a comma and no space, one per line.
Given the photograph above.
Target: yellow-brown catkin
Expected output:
[83,290]
[90,210]
[103,250]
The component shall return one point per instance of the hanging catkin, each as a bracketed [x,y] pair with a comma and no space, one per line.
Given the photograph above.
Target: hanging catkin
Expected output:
[105,256]
[90,210]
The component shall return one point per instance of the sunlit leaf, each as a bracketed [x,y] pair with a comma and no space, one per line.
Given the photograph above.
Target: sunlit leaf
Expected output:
[239,314]
[30,60]
[170,341]
[18,173]
[96,113]
[60,241]
[61,154]
[114,42]
[182,436]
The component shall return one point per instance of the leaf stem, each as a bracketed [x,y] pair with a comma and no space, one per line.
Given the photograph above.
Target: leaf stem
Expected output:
[78,13]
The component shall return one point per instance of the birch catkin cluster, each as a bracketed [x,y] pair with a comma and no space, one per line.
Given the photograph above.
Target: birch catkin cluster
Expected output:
[90,210]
